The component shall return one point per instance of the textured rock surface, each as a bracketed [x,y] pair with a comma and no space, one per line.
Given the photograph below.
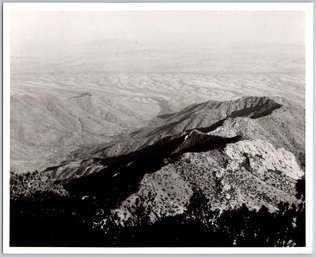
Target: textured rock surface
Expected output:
[262,157]
[251,172]
[249,117]
[243,151]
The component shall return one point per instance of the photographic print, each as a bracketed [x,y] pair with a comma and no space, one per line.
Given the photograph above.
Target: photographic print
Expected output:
[157,126]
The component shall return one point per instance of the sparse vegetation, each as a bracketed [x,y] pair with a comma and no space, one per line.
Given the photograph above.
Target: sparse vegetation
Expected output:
[225,194]
[33,183]
[51,218]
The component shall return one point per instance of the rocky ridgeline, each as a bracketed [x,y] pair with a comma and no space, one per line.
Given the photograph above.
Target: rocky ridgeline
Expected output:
[251,172]
[235,152]
[247,116]
[205,116]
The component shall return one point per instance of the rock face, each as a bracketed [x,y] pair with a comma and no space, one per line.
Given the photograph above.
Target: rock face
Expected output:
[262,156]
[245,151]
[250,172]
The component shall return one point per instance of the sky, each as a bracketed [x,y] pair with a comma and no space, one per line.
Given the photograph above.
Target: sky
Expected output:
[160,27]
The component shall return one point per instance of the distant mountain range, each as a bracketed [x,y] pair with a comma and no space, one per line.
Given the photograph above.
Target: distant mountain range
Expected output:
[111,55]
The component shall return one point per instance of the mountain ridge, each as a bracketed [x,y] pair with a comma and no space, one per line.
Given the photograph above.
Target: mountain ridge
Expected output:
[236,154]
[248,153]
[206,120]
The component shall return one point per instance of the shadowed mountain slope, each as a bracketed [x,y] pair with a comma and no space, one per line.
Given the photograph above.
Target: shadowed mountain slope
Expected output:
[257,112]
[243,151]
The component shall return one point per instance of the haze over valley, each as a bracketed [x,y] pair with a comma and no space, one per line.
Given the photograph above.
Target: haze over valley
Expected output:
[57,107]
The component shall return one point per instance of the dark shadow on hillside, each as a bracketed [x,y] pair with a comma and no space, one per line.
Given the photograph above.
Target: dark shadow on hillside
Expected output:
[257,111]
[123,174]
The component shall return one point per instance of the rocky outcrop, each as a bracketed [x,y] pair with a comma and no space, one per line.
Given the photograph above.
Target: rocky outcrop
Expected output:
[261,156]
[239,152]
[251,172]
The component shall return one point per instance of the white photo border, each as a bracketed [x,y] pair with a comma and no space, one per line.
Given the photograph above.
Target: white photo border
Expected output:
[306,7]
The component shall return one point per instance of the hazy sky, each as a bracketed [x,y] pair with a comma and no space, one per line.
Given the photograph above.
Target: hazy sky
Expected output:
[64,28]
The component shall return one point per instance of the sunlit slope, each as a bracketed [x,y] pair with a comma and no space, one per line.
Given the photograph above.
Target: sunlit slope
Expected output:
[277,120]
[53,114]
[226,149]
[49,121]
[83,95]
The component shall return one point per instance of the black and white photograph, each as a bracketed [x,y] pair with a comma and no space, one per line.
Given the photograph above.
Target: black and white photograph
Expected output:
[139,126]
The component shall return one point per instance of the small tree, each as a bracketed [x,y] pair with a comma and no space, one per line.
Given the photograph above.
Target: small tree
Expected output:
[199,209]
[300,188]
